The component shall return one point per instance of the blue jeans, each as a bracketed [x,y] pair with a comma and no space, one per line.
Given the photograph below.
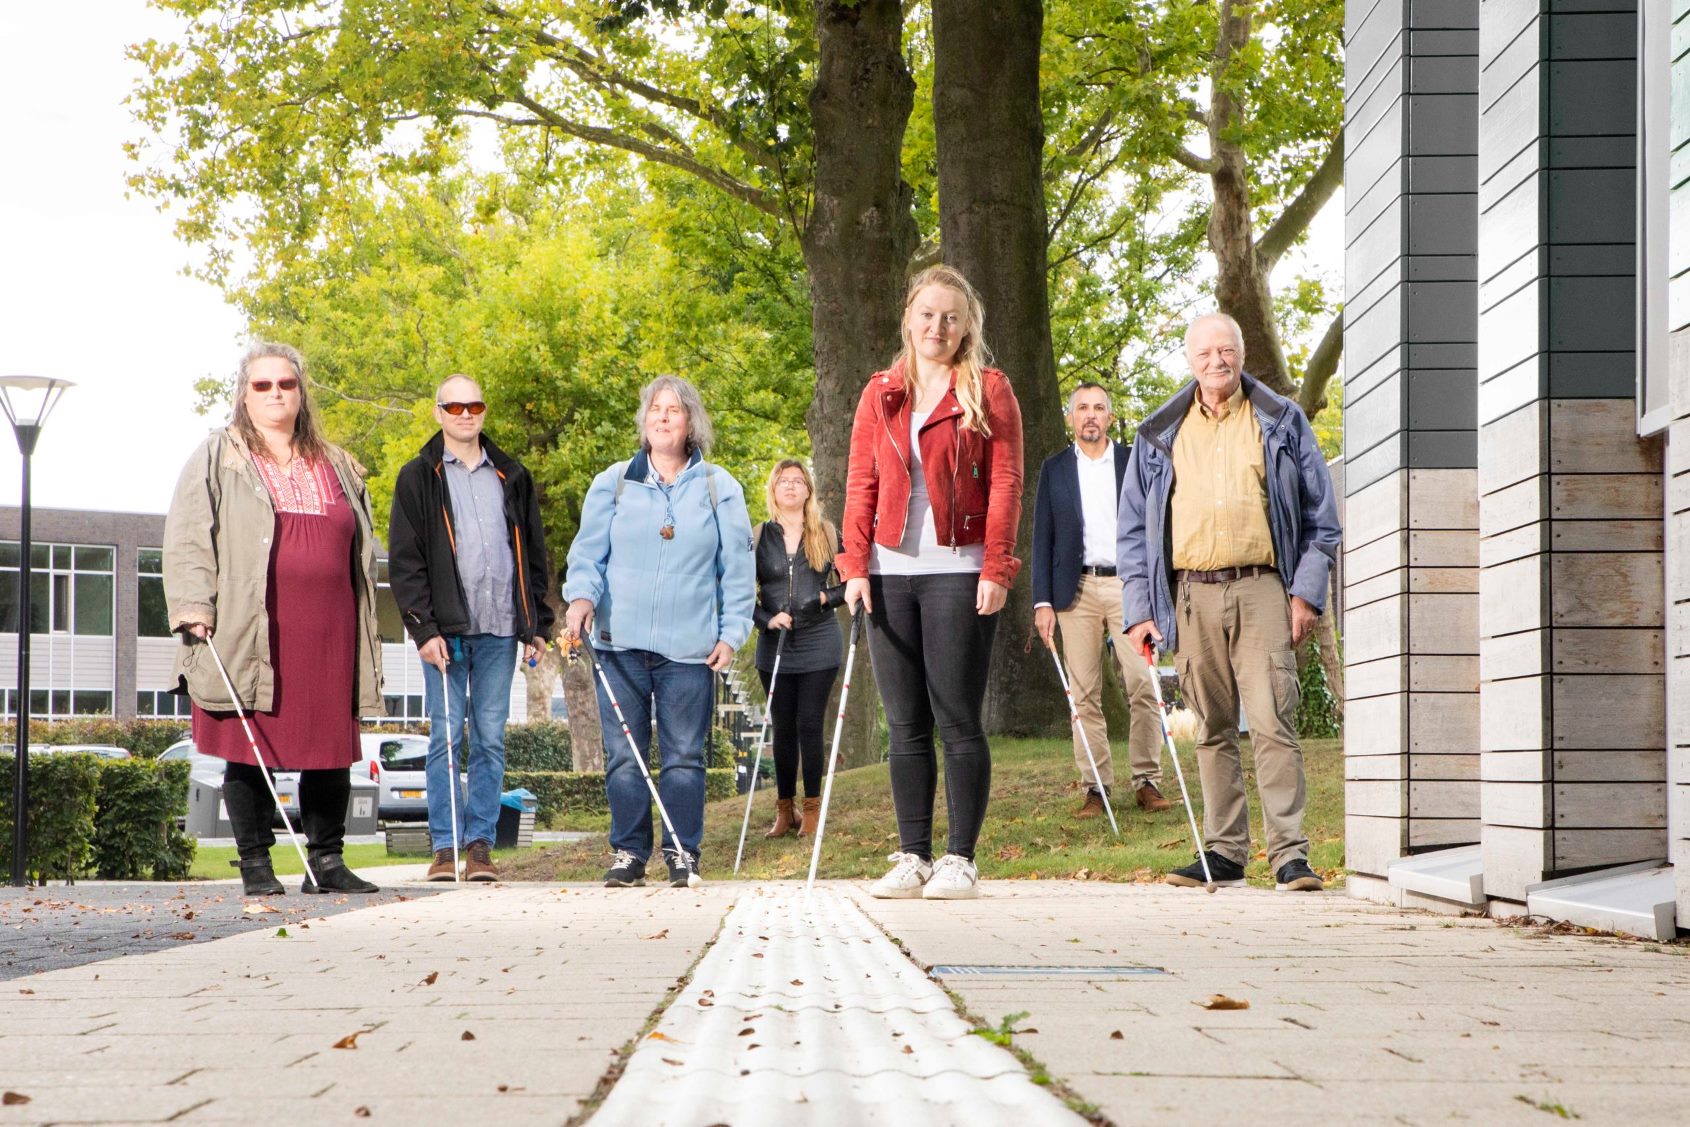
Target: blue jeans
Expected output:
[481,669]
[682,690]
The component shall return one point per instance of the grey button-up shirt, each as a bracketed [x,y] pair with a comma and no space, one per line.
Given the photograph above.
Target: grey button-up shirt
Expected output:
[485,563]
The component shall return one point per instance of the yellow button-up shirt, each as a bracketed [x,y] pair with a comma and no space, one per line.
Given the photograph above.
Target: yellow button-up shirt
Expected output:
[1220,502]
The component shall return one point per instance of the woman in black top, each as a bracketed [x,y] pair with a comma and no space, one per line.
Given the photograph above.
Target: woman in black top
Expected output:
[797,591]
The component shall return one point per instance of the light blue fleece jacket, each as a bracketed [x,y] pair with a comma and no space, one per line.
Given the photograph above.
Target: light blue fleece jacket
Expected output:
[676,597]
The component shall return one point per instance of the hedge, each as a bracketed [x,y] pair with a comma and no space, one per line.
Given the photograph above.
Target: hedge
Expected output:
[583,791]
[144,739]
[115,818]
[540,746]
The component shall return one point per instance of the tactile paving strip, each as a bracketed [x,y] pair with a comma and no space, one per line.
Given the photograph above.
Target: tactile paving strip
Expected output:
[804,1013]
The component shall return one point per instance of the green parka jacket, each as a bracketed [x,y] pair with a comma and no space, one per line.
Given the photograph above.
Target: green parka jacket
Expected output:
[217,540]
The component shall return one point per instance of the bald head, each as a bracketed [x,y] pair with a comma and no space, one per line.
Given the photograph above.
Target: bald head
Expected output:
[458,388]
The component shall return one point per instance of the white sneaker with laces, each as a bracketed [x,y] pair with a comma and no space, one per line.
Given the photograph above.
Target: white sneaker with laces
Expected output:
[904,882]
[954,878]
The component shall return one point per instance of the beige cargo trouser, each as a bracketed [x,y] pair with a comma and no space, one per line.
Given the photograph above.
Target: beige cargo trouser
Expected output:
[1235,645]
[1094,615]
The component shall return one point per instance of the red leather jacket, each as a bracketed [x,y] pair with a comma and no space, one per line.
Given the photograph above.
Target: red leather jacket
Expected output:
[973,482]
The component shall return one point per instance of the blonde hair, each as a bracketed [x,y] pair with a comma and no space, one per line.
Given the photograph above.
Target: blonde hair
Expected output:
[972,356]
[819,536]
[308,440]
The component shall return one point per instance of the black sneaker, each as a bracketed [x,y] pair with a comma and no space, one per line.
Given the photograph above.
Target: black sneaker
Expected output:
[1227,874]
[1296,876]
[626,871]
[683,868]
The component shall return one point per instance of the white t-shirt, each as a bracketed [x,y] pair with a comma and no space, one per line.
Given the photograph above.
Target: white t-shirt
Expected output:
[921,553]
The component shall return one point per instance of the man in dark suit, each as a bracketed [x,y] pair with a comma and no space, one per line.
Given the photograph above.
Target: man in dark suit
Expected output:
[1074,585]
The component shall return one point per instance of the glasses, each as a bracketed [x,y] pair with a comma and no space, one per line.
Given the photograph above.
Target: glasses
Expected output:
[475,408]
[790,481]
[287,383]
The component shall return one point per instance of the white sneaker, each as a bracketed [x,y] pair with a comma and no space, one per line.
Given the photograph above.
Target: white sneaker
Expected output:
[954,878]
[904,882]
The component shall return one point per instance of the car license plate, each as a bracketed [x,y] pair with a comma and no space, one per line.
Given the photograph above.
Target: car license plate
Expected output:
[285,799]
[411,794]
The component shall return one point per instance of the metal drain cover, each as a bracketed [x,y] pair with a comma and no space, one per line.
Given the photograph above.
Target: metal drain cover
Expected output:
[1042,971]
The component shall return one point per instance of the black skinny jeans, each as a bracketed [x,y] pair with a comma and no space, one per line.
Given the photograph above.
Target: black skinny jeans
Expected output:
[322,810]
[796,713]
[931,653]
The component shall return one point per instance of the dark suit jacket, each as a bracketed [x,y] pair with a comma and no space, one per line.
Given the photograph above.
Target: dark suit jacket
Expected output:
[1059,526]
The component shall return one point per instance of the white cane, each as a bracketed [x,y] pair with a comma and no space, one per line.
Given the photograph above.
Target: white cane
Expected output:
[1168,738]
[857,617]
[451,766]
[259,756]
[1085,742]
[757,762]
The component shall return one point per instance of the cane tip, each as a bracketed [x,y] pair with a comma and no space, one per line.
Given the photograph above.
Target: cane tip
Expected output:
[1209,888]
[694,881]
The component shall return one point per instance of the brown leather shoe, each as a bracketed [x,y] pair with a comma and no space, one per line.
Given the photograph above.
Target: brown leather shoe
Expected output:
[1149,798]
[784,822]
[442,869]
[1093,806]
[812,815]
[480,863]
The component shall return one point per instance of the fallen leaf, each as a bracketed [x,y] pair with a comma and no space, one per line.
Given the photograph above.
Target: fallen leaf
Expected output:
[433,975]
[11,1099]
[664,934]
[26,991]
[1222,1002]
[756,954]
[260,910]
[909,1049]
[508,1088]
[1117,1036]
[467,1036]
[753,1045]
[1011,853]
[281,933]
[672,1060]
[797,982]
[705,1002]
[1083,874]
[747,1031]
[181,935]
[188,915]
[362,1113]
[659,1035]
[350,1041]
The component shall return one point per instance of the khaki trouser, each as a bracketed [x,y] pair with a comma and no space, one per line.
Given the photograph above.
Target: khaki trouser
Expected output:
[1095,614]
[1235,645]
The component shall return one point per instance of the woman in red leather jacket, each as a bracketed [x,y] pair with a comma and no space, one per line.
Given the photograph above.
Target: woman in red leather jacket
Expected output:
[932,502]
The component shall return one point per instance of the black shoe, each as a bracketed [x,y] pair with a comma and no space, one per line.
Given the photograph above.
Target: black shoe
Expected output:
[334,876]
[683,867]
[626,871]
[1227,874]
[1296,876]
[258,878]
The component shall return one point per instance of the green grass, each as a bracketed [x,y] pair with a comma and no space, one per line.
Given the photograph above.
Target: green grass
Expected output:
[1030,830]
[212,862]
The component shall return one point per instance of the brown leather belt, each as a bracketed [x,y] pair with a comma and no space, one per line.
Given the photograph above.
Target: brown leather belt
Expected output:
[1225,574]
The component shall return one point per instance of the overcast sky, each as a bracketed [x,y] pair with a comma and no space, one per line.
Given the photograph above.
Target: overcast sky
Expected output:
[91,288]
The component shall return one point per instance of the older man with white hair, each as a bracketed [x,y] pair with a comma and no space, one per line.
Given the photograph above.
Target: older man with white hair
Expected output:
[1228,530]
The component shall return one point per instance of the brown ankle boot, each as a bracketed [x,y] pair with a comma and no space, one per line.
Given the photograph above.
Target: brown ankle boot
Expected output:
[784,823]
[812,815]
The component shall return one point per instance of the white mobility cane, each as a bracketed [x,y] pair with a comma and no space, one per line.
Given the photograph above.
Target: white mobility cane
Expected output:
[857,617]
[252,740]
[1074,716]
[451,767]
[1168,738]
[693,879]
[757,763]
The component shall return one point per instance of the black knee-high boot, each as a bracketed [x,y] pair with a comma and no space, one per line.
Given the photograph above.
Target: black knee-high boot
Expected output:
[251,810]
[322,813]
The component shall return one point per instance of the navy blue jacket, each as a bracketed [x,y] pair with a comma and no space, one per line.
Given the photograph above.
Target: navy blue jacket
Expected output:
[1302,512]
[1059,525]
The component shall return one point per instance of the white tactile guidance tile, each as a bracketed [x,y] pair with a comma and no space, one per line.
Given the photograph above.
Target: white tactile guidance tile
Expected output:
[805,1014]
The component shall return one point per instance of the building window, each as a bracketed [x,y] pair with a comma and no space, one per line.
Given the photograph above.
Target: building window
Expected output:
[152,620]
[70,590]
[401,707]
[163,704]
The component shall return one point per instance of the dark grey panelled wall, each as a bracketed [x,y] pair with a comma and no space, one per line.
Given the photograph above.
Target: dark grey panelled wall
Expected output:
[1411,518]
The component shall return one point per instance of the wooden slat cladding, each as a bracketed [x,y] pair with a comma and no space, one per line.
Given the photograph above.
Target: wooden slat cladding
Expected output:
[1410,454]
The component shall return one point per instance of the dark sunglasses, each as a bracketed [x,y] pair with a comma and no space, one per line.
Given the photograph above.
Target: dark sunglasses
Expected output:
[288,383]
[475,408]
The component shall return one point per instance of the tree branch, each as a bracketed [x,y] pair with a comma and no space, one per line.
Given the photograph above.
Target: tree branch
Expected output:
[1300,212]
[1323,362]
[1208,166]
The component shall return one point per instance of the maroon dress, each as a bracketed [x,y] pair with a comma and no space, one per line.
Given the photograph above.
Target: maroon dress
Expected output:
[313,631]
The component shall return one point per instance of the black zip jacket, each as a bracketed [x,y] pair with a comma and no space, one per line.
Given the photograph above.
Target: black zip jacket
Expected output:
[795,589]
[422,554]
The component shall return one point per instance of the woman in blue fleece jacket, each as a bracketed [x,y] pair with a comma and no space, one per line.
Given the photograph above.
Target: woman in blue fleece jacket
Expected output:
[661,581]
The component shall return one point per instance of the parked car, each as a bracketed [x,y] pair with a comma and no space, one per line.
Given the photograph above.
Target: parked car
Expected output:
[396,763]
[104,751]
[211,767]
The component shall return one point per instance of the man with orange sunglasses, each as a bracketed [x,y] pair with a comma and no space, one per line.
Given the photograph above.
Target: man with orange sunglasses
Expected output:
[467,564]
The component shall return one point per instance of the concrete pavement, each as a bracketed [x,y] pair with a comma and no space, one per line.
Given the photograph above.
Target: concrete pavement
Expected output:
[1357,1013]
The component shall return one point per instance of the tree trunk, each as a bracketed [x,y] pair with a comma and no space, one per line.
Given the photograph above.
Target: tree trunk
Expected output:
[990,135]
[1241,283]
[858,240]
[586,740]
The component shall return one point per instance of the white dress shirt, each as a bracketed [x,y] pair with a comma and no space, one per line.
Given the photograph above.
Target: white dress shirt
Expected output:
[1098,496]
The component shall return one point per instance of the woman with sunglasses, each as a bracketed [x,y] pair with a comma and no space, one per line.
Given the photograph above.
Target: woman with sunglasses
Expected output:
[932,501]
[269,551]
[797,595]
[660,582]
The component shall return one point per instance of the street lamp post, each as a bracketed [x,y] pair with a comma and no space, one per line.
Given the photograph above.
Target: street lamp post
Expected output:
[27,401]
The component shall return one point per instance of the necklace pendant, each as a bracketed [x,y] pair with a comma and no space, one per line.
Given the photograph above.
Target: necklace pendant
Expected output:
[667,532]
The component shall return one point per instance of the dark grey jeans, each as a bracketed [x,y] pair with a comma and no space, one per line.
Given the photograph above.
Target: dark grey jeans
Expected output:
[931,652]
